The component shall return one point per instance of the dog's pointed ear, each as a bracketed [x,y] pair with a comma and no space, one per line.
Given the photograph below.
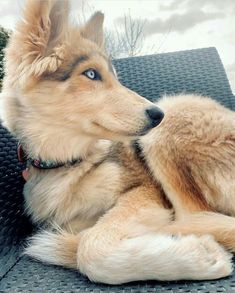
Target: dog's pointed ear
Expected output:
[40,35]
[45,21]
[93,29]
[58,22]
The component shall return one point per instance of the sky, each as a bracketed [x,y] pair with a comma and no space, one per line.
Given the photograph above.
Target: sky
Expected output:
[170,25]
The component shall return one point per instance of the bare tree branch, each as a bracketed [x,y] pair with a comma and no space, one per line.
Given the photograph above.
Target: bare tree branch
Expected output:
[127,40]
[134,34]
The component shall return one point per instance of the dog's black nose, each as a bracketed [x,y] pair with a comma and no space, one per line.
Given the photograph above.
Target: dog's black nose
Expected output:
[155,115]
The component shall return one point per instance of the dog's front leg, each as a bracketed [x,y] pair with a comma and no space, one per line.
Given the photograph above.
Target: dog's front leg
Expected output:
[220,226]
[120,248]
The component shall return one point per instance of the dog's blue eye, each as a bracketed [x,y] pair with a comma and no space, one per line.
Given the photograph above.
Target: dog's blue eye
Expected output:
[92,74]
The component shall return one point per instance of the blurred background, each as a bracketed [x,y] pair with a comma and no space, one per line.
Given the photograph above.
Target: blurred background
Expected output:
[141,27]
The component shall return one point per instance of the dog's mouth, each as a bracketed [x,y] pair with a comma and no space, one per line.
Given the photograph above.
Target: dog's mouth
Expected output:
[111,132]
[123,133]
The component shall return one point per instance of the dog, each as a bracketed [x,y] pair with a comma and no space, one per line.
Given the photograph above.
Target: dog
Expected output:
[125,189]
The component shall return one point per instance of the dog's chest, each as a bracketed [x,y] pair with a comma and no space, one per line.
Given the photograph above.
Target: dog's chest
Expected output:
[65,196]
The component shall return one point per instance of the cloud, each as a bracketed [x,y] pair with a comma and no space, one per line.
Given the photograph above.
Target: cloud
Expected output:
[180,22]
[228,5]
[173,5]
[181,16]
[185,14]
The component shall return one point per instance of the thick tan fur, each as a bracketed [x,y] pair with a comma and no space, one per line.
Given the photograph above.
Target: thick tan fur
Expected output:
[113,215]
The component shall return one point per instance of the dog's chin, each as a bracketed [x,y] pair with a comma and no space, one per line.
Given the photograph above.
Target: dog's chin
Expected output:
[144,130]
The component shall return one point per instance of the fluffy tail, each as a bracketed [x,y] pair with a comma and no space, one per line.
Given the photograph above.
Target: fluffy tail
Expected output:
[54,248]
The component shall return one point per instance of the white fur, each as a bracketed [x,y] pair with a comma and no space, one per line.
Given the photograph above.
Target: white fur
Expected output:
[152,256]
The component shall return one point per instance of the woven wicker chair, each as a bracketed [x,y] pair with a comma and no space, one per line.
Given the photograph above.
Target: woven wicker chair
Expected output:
[199,71]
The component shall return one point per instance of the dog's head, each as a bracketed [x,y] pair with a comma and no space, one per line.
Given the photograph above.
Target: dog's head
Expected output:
[60,83]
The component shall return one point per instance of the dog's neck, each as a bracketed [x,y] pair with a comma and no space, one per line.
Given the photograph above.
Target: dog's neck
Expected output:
[94,152]
[49,142]
[60,148]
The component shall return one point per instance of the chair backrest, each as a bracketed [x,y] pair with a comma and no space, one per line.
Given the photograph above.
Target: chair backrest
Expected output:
[195,71]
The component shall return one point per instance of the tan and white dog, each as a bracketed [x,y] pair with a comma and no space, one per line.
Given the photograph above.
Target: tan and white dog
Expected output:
[160,208]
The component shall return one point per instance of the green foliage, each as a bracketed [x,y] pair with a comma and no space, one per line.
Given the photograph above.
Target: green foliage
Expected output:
[4,36]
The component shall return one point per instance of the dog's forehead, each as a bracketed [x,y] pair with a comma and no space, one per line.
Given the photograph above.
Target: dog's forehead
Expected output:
[109,62]
[103,58]
[91,51]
